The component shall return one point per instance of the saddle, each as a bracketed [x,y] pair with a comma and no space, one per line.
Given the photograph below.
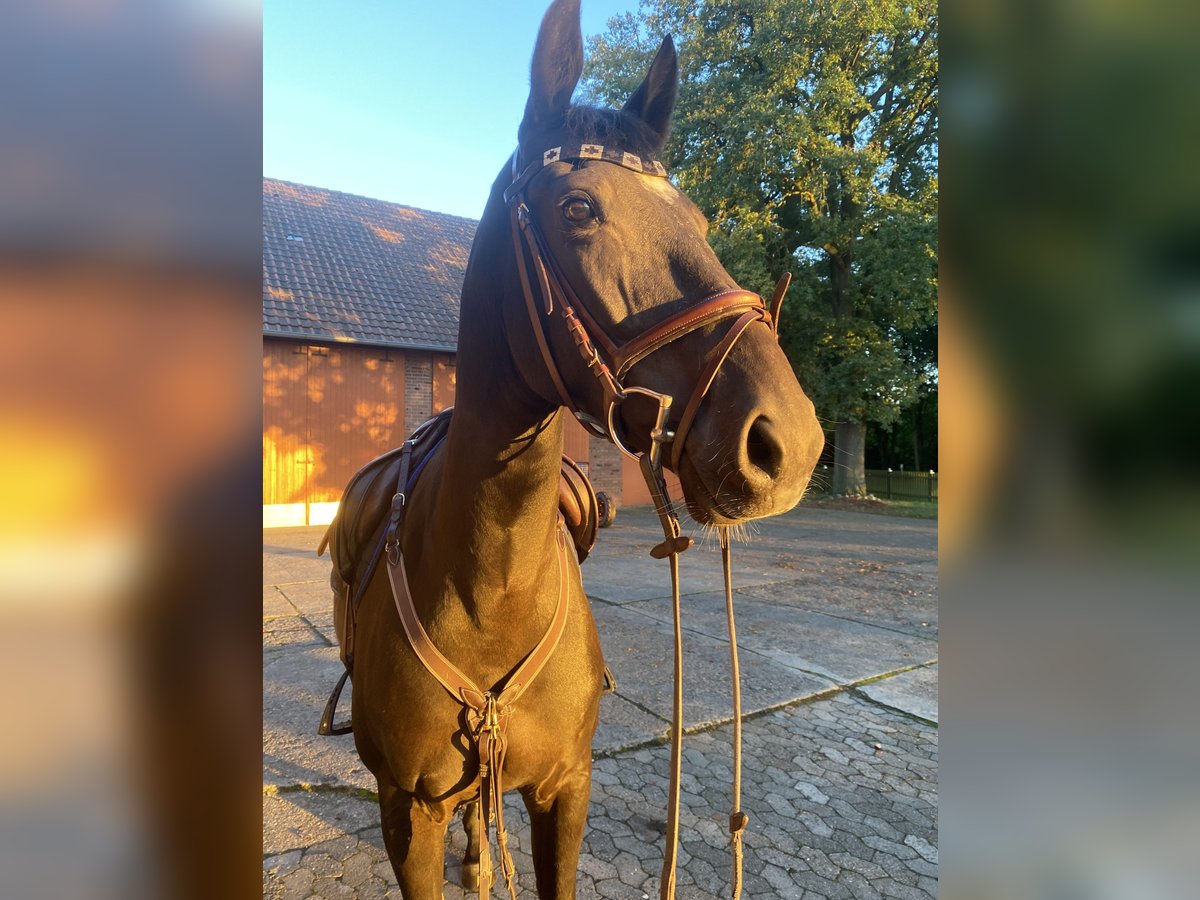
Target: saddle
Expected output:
[357,534]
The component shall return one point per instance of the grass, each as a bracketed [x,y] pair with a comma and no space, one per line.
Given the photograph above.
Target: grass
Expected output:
[911,509]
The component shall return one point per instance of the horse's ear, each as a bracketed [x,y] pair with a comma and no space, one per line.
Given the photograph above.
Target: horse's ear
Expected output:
[654,100]
[557,65]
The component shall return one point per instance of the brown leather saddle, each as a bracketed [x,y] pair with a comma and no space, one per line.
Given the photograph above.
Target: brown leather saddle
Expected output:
[357,534]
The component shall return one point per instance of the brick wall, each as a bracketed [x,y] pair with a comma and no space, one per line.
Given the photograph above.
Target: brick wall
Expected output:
[604,467]
[418,389]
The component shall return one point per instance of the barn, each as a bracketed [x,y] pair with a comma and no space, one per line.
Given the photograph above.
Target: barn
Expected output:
[360,324]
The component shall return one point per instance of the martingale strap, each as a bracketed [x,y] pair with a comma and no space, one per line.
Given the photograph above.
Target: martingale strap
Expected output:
[488,711]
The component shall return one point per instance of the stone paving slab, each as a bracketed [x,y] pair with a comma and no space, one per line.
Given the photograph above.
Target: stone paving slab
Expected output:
[841,795]
[290,631]
[276,604]
[295,686]
[623,724]
[314,601]
[310,597]
[915,692]
[892,597]
[289,556]
[832,534]
[639,648]
[640,577]
[836,650]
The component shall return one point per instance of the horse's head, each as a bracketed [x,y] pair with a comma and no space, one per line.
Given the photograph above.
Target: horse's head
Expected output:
[602,233]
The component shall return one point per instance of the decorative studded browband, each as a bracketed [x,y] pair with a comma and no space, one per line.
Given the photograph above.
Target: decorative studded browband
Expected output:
[579,152]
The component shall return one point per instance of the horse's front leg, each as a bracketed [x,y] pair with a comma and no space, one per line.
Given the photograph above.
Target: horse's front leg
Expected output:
[415,841]
[470,866]
[557,822]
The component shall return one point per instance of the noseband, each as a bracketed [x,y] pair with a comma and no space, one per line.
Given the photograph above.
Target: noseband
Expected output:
[610,363]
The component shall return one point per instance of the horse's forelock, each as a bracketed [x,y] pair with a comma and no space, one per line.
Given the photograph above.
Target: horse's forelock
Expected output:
[590,124]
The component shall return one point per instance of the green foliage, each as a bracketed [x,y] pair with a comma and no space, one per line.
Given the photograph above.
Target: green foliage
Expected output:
[911,442]
[807,131]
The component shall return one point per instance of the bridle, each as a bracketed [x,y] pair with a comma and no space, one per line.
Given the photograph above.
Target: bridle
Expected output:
[610,363]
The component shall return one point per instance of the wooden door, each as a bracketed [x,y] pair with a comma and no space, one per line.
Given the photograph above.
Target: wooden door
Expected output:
[444,381]
[285,428]
[327,411]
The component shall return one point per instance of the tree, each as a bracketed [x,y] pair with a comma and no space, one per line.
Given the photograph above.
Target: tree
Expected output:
[807,131]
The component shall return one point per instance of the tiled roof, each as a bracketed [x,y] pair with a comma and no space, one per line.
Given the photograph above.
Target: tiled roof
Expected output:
[346,268]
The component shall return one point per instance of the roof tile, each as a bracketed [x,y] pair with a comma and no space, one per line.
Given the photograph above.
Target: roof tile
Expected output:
[366,270]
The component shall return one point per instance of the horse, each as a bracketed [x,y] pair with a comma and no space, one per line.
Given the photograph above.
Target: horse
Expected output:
[480,538]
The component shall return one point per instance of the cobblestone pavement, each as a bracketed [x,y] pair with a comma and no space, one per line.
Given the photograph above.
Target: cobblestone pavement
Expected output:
[841,794]
[840,747]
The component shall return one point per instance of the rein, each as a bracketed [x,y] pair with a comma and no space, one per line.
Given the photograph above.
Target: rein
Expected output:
[610,369]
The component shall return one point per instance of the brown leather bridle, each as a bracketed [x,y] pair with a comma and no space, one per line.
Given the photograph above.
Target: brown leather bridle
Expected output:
[610,363]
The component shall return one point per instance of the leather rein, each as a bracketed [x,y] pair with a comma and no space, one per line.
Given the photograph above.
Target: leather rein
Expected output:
[545,287]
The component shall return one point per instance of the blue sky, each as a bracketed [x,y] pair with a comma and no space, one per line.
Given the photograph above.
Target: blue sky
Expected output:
[411,101]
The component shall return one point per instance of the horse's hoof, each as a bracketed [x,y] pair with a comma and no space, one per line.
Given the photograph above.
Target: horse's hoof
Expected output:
[470,876]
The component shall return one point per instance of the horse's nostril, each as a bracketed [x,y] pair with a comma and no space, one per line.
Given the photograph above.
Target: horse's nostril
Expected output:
[763,448]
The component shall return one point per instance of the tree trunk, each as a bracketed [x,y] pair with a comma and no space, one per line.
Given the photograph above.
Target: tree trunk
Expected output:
[916,434]
[839,286]
[849,472]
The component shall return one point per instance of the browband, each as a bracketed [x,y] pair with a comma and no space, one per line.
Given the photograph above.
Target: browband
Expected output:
[572,152]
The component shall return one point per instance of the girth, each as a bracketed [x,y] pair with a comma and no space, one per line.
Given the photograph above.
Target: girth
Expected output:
[488,711]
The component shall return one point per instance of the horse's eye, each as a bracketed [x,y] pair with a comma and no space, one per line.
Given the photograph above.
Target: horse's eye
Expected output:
[577,210]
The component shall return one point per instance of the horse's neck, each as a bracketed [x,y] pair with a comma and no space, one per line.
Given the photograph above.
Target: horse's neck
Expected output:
[496,506]
[494,519]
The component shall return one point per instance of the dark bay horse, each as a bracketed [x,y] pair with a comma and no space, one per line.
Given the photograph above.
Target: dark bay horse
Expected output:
[479,537]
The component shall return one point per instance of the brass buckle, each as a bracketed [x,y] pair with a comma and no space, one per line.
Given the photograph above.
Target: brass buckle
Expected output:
[659,435]
[490,720]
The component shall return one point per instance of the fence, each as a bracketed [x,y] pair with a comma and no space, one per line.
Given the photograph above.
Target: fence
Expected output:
[902,485]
